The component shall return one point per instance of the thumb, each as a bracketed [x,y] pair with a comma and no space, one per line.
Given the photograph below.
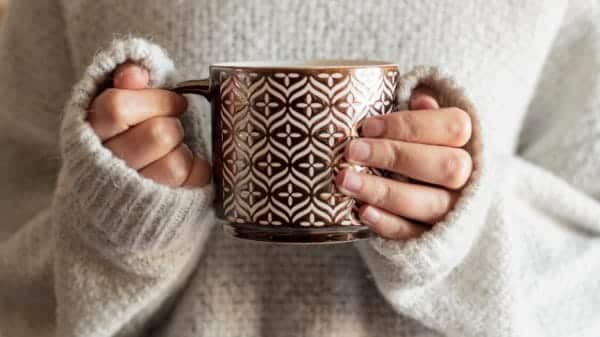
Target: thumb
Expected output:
[422,98]
[131,76]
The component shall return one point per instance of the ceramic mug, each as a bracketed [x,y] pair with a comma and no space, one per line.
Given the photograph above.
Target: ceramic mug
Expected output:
[279,132]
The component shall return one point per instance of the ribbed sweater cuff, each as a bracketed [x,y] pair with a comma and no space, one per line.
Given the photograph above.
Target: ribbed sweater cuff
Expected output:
[124,216]
[436,252]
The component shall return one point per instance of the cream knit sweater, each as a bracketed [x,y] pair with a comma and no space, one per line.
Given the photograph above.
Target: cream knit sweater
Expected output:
[101,251]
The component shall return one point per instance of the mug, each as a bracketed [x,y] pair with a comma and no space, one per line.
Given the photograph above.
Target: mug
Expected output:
[279,132]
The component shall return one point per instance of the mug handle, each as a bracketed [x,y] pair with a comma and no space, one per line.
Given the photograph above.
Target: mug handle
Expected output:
[200,87]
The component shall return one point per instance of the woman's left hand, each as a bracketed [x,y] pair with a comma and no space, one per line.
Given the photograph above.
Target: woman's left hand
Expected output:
[423,144]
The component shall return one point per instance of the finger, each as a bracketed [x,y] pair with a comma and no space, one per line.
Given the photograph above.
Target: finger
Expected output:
[115,110]
[147,142]
[447,126]
[200,174]
[417,202]
[390,226]
[445,166]
[173,169]
[422,98]
[131,76]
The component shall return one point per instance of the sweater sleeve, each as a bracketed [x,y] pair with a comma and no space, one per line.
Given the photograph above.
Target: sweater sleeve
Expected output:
[112,248]
[132,221]
[519,254]
[124,244]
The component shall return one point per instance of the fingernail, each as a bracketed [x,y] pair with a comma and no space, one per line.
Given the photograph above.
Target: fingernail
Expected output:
[359,151]
[130,70]
[373,127]
[119,74]
[352,181]
[370,215]
[421,102]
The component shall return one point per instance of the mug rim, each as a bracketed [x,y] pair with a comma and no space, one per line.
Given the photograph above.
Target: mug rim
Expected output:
[305,64]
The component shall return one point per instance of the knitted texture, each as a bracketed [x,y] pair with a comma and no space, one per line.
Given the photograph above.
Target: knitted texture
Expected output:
[114,209]
[103,251]
[436,252]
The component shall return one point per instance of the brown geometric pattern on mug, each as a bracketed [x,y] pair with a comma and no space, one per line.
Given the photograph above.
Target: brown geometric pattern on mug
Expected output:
[283,138]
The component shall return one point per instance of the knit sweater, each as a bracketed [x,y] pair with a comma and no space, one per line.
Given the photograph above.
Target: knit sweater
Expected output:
[88,247]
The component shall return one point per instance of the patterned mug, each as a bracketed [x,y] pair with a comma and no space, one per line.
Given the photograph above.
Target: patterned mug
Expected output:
[279,132]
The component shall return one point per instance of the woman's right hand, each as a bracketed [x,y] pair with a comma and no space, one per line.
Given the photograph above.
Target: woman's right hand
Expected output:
[141,126]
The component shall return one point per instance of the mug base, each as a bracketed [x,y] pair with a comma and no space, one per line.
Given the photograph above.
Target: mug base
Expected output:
[293,235]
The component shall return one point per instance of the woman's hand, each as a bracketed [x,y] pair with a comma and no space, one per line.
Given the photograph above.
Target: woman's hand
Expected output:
[141,126]
[423,144]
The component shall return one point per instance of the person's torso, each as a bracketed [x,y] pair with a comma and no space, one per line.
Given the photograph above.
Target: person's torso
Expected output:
[495,49]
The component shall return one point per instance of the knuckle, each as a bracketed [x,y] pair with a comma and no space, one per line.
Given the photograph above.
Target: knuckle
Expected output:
[381,193]
[165,132]
[395,158]
[410,129]
[112,105]
[457,168]
[459,127]
[165,99]
[438,206]
[177,169]
[401,230]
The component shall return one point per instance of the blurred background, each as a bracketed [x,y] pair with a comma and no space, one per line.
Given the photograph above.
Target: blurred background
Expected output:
[3,5]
